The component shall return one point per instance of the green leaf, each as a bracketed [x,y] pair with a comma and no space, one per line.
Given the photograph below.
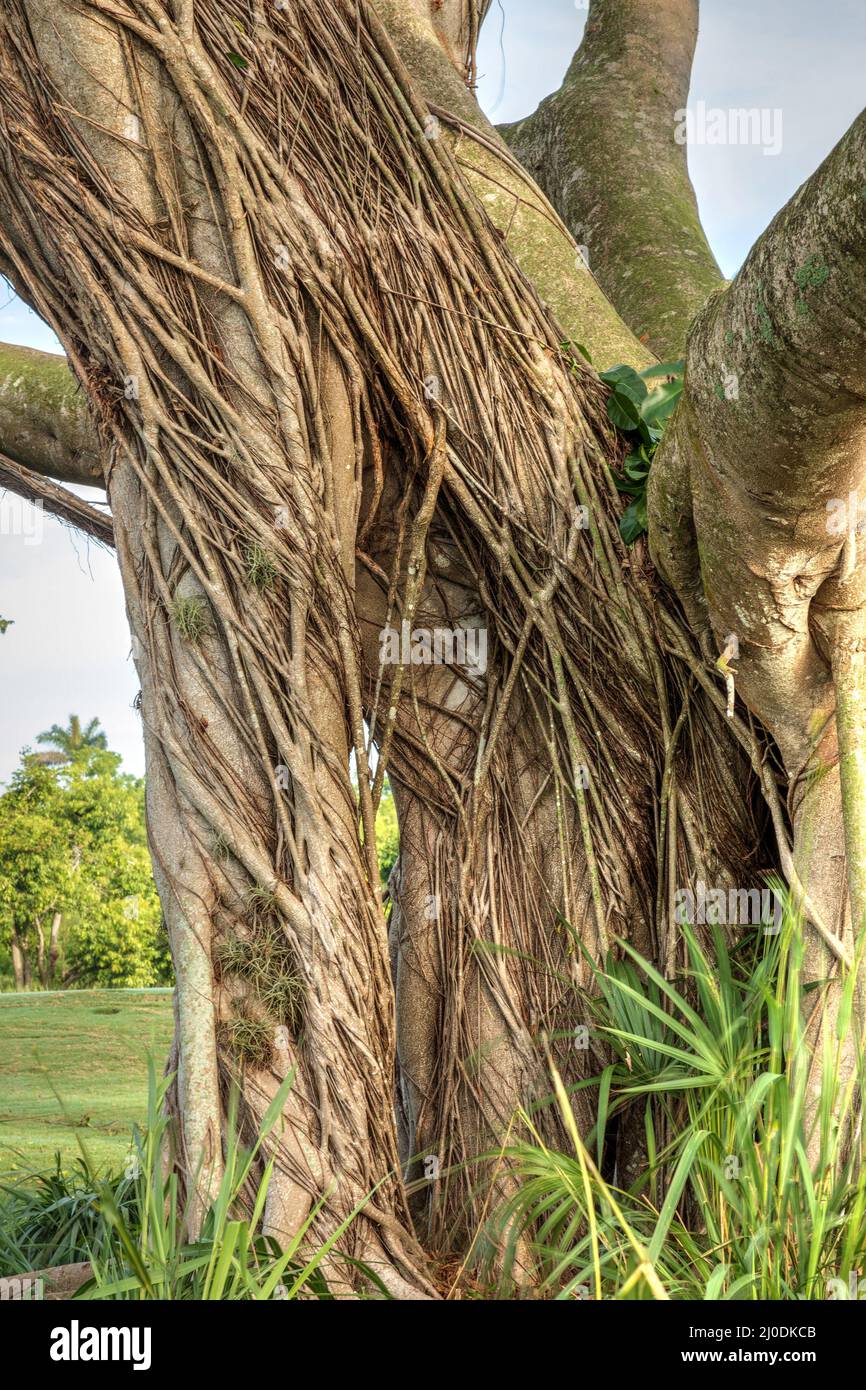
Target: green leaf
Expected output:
[664,369]
[715,1282]
[624,411]
[633,521]
[238,60]
[674,1192]
[636,465]
[626,380]
[567,346]
[630,487]
[603,1104]
[658,407]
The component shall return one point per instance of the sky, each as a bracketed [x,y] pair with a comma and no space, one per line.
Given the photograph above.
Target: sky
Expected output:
[68,650]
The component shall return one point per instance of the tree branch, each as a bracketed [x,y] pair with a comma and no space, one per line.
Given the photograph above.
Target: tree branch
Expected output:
[56,500]
[45,424]
[751,511]
[604,150]
[536,236]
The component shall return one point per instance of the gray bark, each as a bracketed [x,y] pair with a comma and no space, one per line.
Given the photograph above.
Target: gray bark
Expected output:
[604,150]
[762,459]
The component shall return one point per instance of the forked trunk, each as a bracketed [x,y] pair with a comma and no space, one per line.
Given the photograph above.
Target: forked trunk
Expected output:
[338,422]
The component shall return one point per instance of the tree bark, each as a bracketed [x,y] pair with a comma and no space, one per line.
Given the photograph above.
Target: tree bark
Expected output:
[761,460]
[20,962]
[604,149]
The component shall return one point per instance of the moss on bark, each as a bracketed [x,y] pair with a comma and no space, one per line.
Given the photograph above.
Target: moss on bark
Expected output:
[539,242]
[44,420]
[604,150]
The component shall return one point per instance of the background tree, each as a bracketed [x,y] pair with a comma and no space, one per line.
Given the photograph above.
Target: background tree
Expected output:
[36,873]
[288,260]
[387,834]
[77,897]
[73,738]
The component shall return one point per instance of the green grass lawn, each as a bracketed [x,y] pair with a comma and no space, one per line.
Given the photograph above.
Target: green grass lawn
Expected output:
[73,1066]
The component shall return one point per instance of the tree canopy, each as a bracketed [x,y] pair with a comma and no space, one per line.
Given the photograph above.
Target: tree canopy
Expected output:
[73,847]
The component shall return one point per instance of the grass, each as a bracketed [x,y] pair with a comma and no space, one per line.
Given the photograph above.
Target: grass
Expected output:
[139,1237]
[74,1066]
[54,1217]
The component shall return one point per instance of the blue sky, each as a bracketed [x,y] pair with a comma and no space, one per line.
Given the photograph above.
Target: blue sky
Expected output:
[69,647]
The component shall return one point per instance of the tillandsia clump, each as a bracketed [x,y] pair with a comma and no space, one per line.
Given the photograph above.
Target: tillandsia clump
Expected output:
[191,617]
[263,962]
[261,567]
[249,1040]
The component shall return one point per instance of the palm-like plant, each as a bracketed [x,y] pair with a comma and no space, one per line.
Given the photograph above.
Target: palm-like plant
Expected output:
[72,739]
[751,1189]
[145,1251]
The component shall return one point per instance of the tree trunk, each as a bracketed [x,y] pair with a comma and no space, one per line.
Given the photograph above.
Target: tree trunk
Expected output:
[41,962]
[53,948]
[745,497]
[234,487]
[20,961]
[337,420]
[248,418]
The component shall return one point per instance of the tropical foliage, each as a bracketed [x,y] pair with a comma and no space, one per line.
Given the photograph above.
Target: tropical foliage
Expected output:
[77,900]
[753,1186]
[134,1227]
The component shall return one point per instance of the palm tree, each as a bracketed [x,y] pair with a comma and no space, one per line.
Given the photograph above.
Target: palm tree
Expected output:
[71,740]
